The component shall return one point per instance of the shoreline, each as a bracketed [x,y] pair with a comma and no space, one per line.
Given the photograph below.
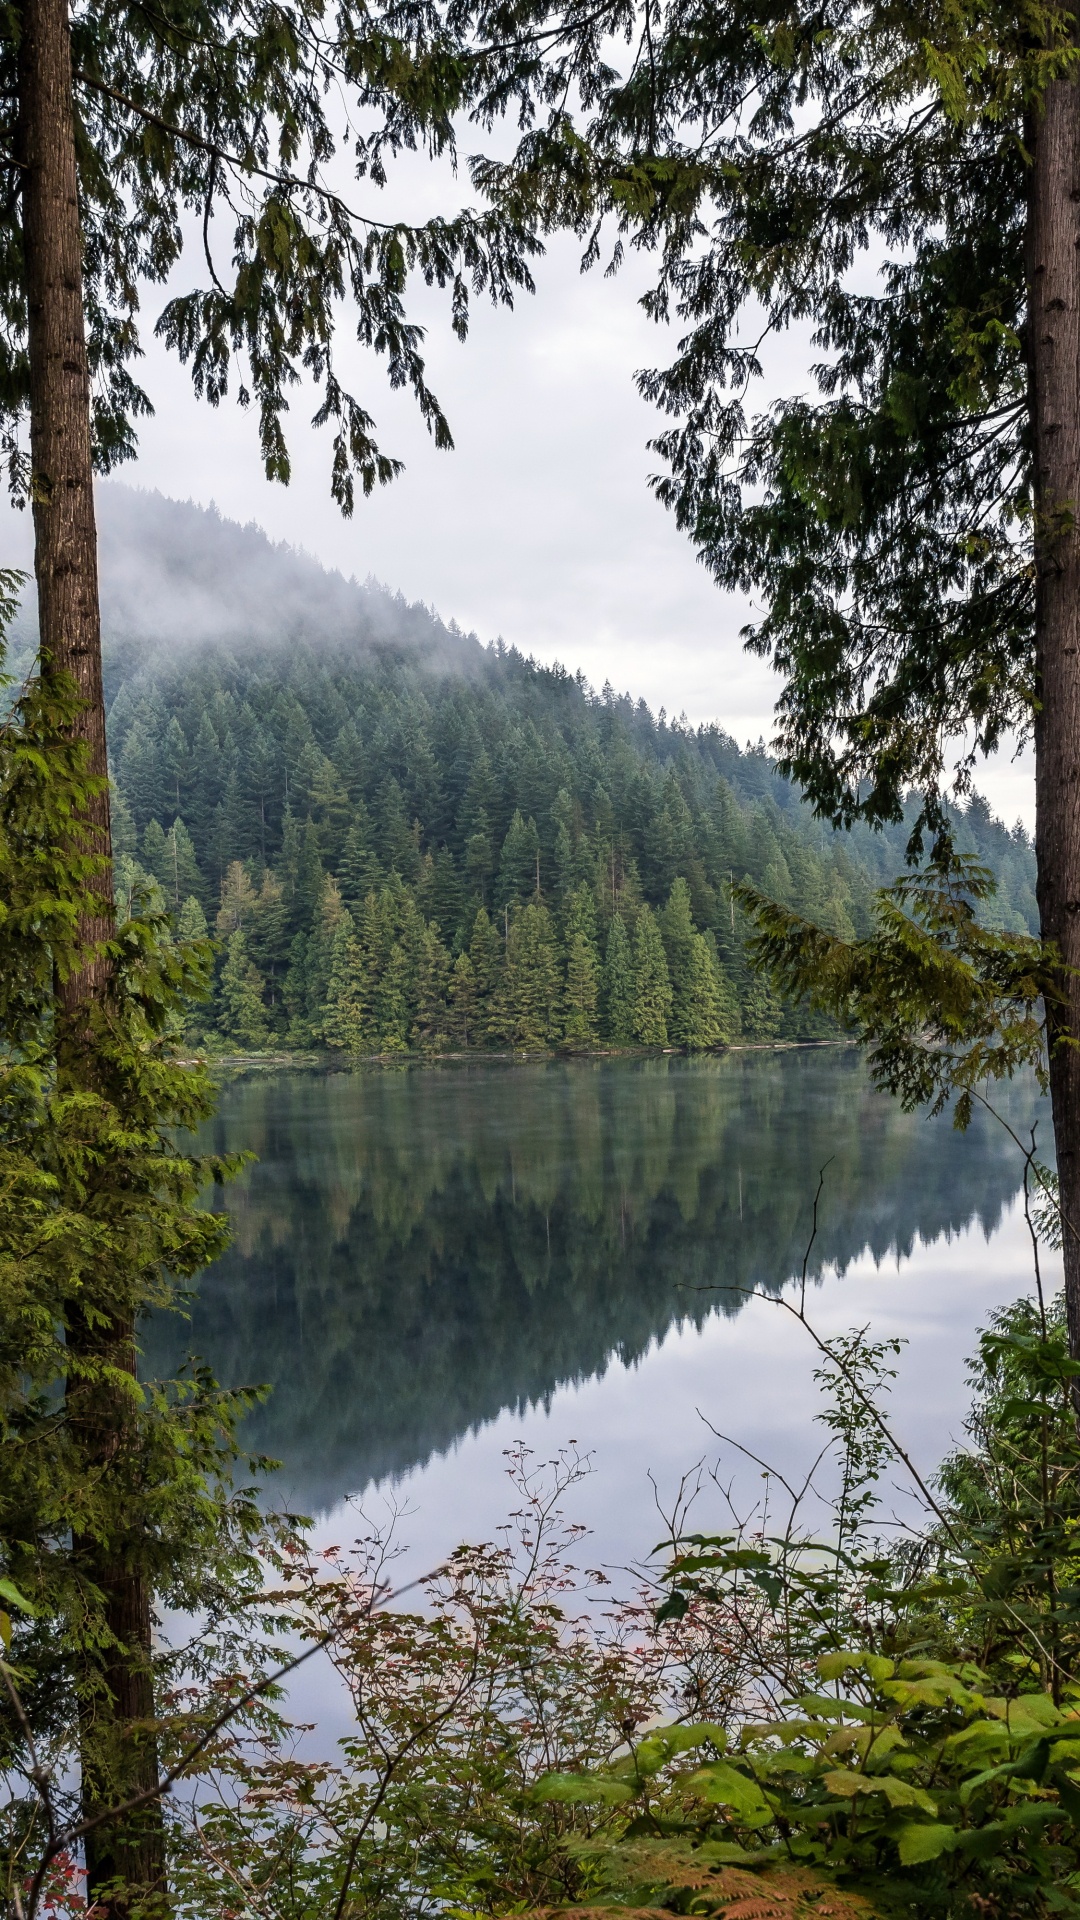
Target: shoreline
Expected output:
[282,1060]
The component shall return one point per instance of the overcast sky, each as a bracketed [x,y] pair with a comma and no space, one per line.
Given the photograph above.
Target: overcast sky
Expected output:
[540,526]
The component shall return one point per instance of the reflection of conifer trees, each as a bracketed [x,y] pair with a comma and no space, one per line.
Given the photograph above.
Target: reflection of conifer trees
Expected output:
[417,1249]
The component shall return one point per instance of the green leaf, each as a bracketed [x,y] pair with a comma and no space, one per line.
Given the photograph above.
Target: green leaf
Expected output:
[663,1743]
[582,1789]
[10,1592]
[833,1666]
[898,1793]
[724,1786]
[926,1841]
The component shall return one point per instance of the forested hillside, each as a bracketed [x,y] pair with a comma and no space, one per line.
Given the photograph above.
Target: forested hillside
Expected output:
[404,838]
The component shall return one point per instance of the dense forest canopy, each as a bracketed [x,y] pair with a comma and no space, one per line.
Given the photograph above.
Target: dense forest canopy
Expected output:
[406,838]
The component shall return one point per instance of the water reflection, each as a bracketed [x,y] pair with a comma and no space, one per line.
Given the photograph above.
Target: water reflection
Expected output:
[418,1250]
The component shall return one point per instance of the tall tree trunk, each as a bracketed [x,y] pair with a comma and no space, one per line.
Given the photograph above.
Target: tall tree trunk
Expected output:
[1054,359]
[118,1758]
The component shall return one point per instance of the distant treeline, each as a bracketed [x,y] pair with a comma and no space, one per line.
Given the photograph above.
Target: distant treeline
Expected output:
[398,854]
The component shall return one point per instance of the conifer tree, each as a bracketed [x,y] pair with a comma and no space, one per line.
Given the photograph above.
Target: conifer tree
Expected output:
[709,1014]
[462,997]
[571,852]
[582,1001]
[137,890]
[679,933]
[431,1023]
[581,1025]
[294,992]
[124,837]
[762,1010]
[439,894]
[487,959]
[351,762]
[154,855]
[391,939]
[319,953]
[242,1013]
[398,841]
[619,986]
[344,1021]
[529,1009]
[390,1003]
[267,931]
[238,899]
[205,785]
[479,863]
[263,775]
[519,862]
[310,876]
[191,924]
[579,913]
[289,867]
[652,983]
[181,875]
[358,870]
[331,809]
[139,774]
[174,758]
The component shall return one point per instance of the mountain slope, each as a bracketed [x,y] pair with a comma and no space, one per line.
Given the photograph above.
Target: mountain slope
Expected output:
[341,784]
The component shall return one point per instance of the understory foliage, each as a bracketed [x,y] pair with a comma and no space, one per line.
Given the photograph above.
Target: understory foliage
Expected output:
[910,1725]
[793,1718]
[100,1222]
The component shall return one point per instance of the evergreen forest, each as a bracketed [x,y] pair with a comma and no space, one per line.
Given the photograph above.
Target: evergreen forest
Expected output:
[404,839]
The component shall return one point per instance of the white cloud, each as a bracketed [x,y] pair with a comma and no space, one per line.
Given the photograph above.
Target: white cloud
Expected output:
[540,526]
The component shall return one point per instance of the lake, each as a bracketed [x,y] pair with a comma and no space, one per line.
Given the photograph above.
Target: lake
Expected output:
[431,1262]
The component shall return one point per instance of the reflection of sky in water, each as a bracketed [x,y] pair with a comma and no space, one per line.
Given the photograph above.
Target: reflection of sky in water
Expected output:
[752,1378]
[430,1265]
[424,1258]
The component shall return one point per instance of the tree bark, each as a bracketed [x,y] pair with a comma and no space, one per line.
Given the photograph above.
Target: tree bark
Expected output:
[119,1752]
[65,533]
[125,1860]
[1054,360]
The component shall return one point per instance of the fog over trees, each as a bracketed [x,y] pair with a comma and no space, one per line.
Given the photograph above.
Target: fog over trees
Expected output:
[404,838]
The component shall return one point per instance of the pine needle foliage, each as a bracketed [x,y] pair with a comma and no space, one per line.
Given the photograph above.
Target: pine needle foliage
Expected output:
[100,1222]
[223,126]
[879,513]
[941,1001]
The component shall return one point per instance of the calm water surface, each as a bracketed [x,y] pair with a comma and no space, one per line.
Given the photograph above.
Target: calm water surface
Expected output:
[431,1262]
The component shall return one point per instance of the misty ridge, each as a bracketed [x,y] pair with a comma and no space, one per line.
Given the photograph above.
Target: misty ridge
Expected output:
[176,575]
[187,594]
